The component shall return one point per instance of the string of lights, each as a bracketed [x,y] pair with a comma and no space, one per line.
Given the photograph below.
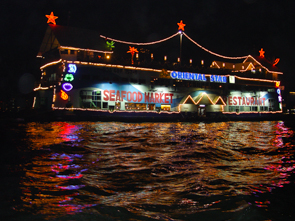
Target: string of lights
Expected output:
[211,52]
[165,39]
[134,43]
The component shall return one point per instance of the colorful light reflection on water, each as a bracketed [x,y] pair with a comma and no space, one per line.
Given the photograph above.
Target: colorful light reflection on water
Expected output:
[157,171]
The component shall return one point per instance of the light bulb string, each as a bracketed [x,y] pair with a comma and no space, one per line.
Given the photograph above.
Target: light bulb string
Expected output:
[134,43]
[205,49]
[165,39]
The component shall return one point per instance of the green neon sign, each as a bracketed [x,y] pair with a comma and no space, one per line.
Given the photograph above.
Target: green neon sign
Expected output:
[69,77]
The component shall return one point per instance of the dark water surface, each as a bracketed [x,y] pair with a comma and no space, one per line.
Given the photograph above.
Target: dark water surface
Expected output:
[147,171]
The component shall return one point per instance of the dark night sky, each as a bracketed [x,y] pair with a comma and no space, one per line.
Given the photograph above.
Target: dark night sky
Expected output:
[227,27]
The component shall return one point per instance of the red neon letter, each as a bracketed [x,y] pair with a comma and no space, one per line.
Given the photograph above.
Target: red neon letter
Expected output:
[263,99]
[171,95]
[118,96]
[157,98]
[139,97]
[166,98]
[235,100]
[112,95]
[129,96]
[252,100]
[146,97]
[239,100]
[229,100]
[123,93]
[152,98]
[161,96]
[244,103]
[106,96]
[134,96]
[248,100]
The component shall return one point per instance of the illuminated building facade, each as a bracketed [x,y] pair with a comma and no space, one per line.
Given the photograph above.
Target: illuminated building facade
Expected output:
[80,73]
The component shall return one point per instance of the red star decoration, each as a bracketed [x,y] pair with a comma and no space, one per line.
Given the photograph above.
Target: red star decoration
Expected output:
[261,53]
[51,18]
[181,26]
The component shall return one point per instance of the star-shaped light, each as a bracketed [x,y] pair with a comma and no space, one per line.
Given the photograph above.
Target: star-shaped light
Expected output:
[261,53]
[51,18]
[181,26]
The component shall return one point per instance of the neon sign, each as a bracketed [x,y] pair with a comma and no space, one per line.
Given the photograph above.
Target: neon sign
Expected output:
[150,97]
[261,52]
[245,101]
[132,50]
[196,77]
[218,78]
[280,98]
[276,61]
[51,18]
[64,95]
[181,26]
[69,77]
[187,76]
[67,86]
[72,68]
[110,45]
[279,95]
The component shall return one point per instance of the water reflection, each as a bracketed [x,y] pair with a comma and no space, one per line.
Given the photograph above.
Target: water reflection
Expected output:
[164,170]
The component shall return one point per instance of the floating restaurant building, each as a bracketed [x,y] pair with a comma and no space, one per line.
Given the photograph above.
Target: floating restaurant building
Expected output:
[81,75]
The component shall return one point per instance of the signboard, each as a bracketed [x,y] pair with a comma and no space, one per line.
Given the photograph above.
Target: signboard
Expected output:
[197,77]
[150,97]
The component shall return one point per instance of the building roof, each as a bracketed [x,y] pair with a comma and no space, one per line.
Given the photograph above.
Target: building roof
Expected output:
[250,63]
[262,61]
[71,37]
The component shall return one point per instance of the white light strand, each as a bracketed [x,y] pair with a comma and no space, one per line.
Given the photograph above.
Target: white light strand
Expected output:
[134,43]
[222,56]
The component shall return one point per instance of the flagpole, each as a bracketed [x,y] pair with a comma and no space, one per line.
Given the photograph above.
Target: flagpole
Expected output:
[180,46]
[180,29]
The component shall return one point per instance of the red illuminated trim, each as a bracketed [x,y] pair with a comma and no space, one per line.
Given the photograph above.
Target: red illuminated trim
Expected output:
[248,112]
[99,110]
[51,63]
[274,72]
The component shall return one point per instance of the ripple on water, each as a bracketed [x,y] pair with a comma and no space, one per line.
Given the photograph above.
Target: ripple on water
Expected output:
[157,171]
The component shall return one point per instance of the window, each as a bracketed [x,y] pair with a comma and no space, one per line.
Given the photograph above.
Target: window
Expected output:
[232,109]
[135,106]
[247,108]
[254,108]
[151,106]
[90,99]
[263,108]
[105,105]
[64,51]
[117,105]
[85,98]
